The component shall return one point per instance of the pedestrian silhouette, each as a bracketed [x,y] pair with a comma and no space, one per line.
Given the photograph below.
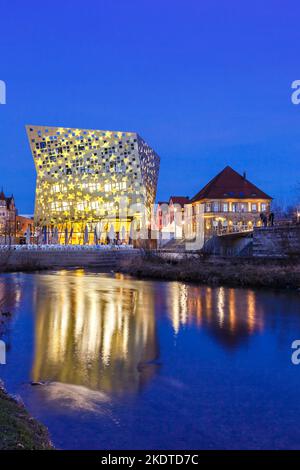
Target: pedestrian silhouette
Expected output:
[264,219]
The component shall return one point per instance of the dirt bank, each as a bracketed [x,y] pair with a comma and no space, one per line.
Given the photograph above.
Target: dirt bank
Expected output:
[18,430]
[235,272]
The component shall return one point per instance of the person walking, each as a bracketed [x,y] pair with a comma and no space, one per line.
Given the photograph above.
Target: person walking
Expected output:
[264,219]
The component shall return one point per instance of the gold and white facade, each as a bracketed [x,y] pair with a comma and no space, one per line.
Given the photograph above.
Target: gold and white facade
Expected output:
[86,177]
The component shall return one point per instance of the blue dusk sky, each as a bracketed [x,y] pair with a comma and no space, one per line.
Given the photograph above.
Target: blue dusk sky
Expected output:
[205,83]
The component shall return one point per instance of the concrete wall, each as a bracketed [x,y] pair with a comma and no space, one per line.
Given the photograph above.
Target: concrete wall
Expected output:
[229,245]
[43,259]
[277,242]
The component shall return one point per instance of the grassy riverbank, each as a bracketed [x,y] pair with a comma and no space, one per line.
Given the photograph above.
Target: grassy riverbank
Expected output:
[234,272]
[18,430]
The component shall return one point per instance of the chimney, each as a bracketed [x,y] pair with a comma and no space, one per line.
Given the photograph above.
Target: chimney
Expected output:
[244,175]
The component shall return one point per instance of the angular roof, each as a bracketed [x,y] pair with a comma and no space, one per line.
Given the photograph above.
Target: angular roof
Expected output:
[8,200]
[230,184]
[181,200]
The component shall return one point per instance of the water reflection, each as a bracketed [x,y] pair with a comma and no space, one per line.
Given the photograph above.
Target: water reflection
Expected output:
[99,331]
[230,314]
[10,298]
[94,331]
[225,376]
[10,294]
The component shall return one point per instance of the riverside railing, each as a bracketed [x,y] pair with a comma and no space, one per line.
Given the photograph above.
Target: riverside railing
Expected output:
[64,247]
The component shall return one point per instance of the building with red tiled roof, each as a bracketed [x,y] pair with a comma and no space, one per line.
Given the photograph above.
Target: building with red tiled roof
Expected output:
[170,218]
[23,223]
[181,200]
[230,184]
[228,203]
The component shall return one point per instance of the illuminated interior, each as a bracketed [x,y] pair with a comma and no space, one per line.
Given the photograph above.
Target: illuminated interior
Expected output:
[90,182]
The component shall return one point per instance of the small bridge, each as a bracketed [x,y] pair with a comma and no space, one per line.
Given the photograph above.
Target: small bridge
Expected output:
[236,235]
[230,244]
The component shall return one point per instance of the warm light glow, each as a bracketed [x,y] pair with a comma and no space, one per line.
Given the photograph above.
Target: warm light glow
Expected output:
[93,331]
[85,176]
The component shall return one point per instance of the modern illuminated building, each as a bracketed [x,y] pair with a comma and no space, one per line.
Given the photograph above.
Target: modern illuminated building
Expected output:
[89,181]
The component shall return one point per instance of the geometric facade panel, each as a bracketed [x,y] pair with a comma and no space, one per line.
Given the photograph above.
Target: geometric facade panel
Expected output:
[82,175]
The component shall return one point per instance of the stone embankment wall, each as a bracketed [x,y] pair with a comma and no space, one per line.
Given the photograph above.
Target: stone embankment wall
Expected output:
[11,260]
[277,242]
[239,244]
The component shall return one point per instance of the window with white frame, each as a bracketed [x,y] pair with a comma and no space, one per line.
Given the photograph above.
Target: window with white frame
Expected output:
[94,204]
[215,207]
[55,188]
[80,206]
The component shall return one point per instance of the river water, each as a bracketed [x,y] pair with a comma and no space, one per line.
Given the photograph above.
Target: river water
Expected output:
[134,364]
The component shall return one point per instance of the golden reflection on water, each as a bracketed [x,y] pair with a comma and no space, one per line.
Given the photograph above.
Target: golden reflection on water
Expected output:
[231,313]
[99,331]
[95,331]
